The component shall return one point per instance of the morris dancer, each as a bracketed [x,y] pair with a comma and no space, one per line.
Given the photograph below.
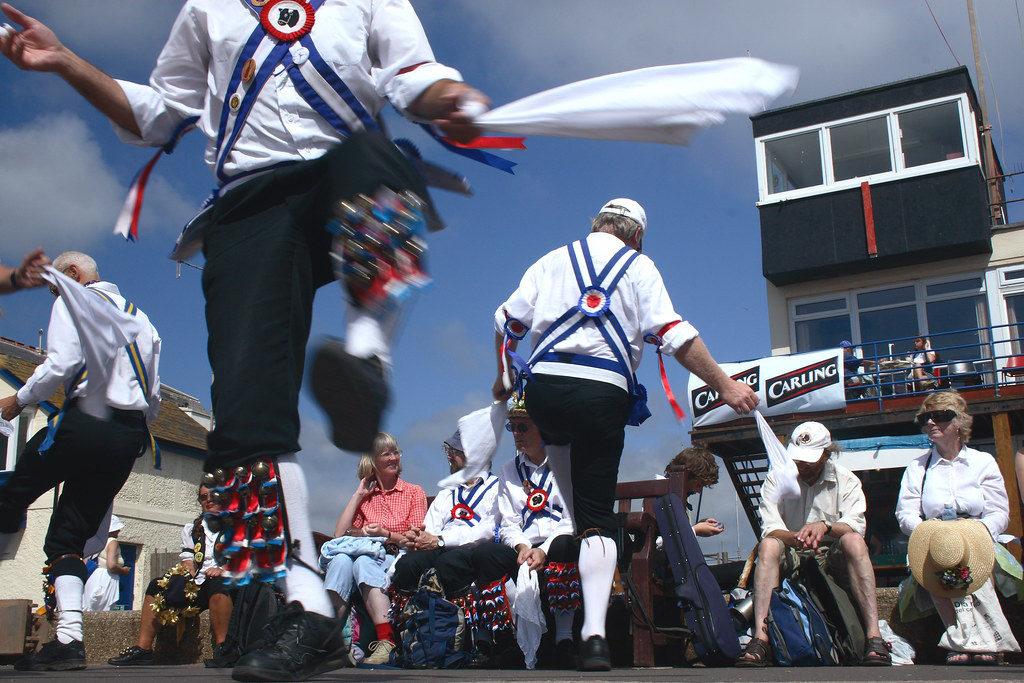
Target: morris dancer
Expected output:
[582,390]
[92,457]
[537,525]
[294,79]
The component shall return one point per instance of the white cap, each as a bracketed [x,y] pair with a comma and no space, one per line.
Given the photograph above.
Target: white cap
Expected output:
[808,441]
[628,208]
[115,524]
[455,441]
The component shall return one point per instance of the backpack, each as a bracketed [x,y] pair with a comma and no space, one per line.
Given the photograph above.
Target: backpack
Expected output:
[838,610]
[432,636]
[797,631]
[255,604]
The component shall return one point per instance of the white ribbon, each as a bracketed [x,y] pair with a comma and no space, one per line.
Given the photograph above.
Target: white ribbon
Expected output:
[480,431]
[666,104]
[781,467]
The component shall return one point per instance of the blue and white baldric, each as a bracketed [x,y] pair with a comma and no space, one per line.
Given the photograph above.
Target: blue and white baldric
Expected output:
[465,500]
[538,495]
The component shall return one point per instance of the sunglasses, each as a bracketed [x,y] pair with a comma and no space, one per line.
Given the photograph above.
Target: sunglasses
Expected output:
[203,497]
[520,427]
[935,416]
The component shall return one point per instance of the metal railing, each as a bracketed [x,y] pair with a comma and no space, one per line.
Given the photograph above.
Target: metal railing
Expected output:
[973,358]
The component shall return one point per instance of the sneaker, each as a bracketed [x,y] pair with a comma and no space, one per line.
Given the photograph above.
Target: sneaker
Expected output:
[380,653]
[54,656]
[132,656]
[595,655]
[353,393]
[296,645]
[224,656]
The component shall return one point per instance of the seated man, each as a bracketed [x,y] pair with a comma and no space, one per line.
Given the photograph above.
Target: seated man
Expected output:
[536,523]
[197,562]
[851,367]
[457,539]
[825,521]
[701,470]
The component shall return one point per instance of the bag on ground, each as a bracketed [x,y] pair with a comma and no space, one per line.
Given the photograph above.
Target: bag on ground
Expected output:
[796,629]
[432,636]
[838,609]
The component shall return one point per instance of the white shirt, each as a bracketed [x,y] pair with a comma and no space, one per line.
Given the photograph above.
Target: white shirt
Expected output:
[837,496]
[64,358]
[971,483]
[459,532]
[542,528]
[368,42]
[640,303]
[188,552]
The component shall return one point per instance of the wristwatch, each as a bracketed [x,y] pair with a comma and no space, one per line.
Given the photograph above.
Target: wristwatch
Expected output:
[828,527]
[440,541]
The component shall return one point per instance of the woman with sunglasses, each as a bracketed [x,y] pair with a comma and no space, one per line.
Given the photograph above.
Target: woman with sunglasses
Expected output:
[369,534]
[952,481]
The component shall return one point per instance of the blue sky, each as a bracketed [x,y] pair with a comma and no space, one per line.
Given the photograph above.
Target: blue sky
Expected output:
[63,176]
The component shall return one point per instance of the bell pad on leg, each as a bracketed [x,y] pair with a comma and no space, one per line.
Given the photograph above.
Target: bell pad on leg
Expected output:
[493,607]
[562,585]
[251,542]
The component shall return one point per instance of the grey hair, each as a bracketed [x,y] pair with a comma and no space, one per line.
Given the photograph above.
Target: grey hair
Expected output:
[84,262]
[623,227]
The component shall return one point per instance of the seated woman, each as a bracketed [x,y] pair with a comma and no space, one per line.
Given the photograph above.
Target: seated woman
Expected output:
[103,588]
[923,359]
[952,482]
[383,507]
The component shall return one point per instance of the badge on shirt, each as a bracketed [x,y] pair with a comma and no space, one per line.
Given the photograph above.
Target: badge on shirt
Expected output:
[287,20]
[198,552]
[593,301]
[537,500]
[462,511]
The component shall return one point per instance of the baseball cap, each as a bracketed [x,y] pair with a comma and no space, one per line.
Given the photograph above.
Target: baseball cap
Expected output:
[628,208]
[845,344]
[807,442]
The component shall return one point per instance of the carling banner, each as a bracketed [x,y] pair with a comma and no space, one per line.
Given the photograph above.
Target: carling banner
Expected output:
[802,383]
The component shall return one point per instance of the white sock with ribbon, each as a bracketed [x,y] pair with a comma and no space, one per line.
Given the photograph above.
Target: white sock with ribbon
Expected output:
[597,570]
[301,583]
[69,591]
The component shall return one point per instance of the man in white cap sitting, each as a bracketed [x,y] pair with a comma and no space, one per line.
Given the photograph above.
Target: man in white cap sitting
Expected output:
[825,520]
[591,305]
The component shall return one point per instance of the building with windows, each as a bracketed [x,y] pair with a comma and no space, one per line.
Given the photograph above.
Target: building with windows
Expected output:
[156,501]
[883,218]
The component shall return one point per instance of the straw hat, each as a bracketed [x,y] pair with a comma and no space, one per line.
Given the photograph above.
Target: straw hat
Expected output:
[951,558]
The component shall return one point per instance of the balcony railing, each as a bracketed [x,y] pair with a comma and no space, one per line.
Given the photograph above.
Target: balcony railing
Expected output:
[974,358]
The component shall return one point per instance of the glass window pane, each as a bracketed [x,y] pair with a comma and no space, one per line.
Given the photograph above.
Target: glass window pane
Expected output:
[879,328]
[793,162]
[946,322]
[1013,275]
[885,297]
[820,306]
[969,285]
[931,134]
[823,333]
[860,148]
[1015,316]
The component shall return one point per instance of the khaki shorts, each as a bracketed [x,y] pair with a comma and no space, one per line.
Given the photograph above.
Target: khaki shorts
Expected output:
[831,559]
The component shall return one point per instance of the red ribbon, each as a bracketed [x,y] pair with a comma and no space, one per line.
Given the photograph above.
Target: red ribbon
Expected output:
[489,142]
[668,390]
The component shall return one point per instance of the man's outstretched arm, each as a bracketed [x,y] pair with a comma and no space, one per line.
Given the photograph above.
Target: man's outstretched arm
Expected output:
[36,48]
[695,357]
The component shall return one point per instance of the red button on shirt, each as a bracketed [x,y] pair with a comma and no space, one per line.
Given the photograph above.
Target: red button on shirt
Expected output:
[396,510]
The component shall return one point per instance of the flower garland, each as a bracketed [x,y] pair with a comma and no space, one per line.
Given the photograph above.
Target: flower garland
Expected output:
[957,577]
[167,614]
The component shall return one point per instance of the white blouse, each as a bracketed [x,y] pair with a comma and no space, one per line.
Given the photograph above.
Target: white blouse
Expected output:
[970,484]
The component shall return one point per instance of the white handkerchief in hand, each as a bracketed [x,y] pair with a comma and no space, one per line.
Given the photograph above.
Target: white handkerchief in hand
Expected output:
[6,428]
[103,329]
[666,104]
[529,614]
[781,467]
[480,431]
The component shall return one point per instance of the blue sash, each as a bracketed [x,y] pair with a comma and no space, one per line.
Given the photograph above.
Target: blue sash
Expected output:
[546,484]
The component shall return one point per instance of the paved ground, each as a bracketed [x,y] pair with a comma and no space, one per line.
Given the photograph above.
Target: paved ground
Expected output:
[903,673]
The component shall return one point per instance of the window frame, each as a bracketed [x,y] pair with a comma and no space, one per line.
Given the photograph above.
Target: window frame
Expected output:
[968,139]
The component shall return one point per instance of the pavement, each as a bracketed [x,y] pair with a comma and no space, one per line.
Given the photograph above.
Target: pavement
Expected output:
[153,674]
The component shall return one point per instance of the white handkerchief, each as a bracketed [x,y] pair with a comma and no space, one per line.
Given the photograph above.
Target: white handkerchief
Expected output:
[6,428]
[666,104]
[780,466]
[481,431]
[529,614]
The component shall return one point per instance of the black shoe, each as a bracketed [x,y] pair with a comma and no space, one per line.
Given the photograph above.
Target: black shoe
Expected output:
[594,655]
[562,656]
[132,656]
[54,656]
[297,645]
[352,392]
[224,656]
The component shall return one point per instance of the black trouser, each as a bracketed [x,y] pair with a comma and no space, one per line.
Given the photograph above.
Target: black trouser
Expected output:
[93,459]
[456,568]
[591,417]
[563,549]
[266,250]
[213,585]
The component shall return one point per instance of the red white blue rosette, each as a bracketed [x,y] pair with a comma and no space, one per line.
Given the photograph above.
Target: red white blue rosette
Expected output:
[287,20]
[537,500]
[462,511]
[594,301]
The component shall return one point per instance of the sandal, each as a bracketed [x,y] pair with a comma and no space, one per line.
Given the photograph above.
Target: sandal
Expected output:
[985,658]
[957,658]
[757,653]
[876,653]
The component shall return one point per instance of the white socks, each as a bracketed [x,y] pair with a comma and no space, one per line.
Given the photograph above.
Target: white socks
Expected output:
[301,583]
[69,592]
[563,624]
[368,334]
[597,570]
